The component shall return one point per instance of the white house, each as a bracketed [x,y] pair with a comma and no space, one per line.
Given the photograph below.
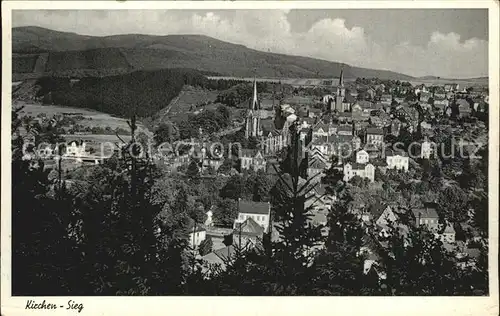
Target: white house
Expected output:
[321,130]
[258,211]
[209,221]
[426,150]
[448,235]
[397,161]
[197,234]
[362,157]
[361,170]
[75,150]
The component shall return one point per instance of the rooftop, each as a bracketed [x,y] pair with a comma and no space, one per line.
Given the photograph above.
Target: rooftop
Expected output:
[249,227]
[245,152]
[374,131]
[428,212]
[359,166]
[250,207]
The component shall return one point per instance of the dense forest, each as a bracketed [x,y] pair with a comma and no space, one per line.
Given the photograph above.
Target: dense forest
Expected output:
[140,93]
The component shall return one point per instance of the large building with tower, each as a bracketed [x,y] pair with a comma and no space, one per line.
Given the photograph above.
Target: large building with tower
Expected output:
[252,126]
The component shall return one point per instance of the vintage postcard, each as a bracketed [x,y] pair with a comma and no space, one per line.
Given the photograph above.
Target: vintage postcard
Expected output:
[184,153]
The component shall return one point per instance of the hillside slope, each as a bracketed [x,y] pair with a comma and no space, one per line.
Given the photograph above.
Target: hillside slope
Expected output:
[141,92]
[177,51]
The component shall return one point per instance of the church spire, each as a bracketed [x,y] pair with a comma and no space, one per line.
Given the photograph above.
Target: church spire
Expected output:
[341,81]
[254,100]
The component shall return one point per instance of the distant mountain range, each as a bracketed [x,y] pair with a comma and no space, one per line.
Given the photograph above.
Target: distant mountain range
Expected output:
[40,52]
[450,79]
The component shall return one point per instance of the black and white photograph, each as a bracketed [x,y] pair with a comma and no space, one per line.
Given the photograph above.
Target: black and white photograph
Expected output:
[268,151]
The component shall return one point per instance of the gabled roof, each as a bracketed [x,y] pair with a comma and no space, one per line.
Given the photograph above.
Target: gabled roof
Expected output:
[250,207]
[371,148]
[359,166]
[323,126]
[225,252]
[267,126]
[374,131]
[379,163]
[349,98]
[249,227]
[317,164]
[462,103]
[377,209]
[390,152]
[341,139]
[449,229]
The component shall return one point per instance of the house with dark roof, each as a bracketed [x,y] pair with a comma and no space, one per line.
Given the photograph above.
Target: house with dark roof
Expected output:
[344,130]
[258,211]
[248,234]
[218,258]
[427,216]
[375,136]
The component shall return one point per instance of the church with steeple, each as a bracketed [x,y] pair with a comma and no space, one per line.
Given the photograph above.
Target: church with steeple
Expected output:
[338,105]
[252,125]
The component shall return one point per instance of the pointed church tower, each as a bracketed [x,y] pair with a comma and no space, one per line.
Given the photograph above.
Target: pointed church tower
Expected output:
[253,115]
[340,94]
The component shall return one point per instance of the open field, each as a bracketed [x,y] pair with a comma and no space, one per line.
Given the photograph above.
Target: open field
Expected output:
[189,99]
[91,118]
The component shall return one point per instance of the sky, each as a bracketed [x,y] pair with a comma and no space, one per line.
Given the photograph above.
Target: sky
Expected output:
[450,43]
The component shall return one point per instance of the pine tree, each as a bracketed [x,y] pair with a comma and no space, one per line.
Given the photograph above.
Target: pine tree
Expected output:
[44,256]
[206,246]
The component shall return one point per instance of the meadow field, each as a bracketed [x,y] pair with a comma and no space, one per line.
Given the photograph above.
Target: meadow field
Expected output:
[91,118]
